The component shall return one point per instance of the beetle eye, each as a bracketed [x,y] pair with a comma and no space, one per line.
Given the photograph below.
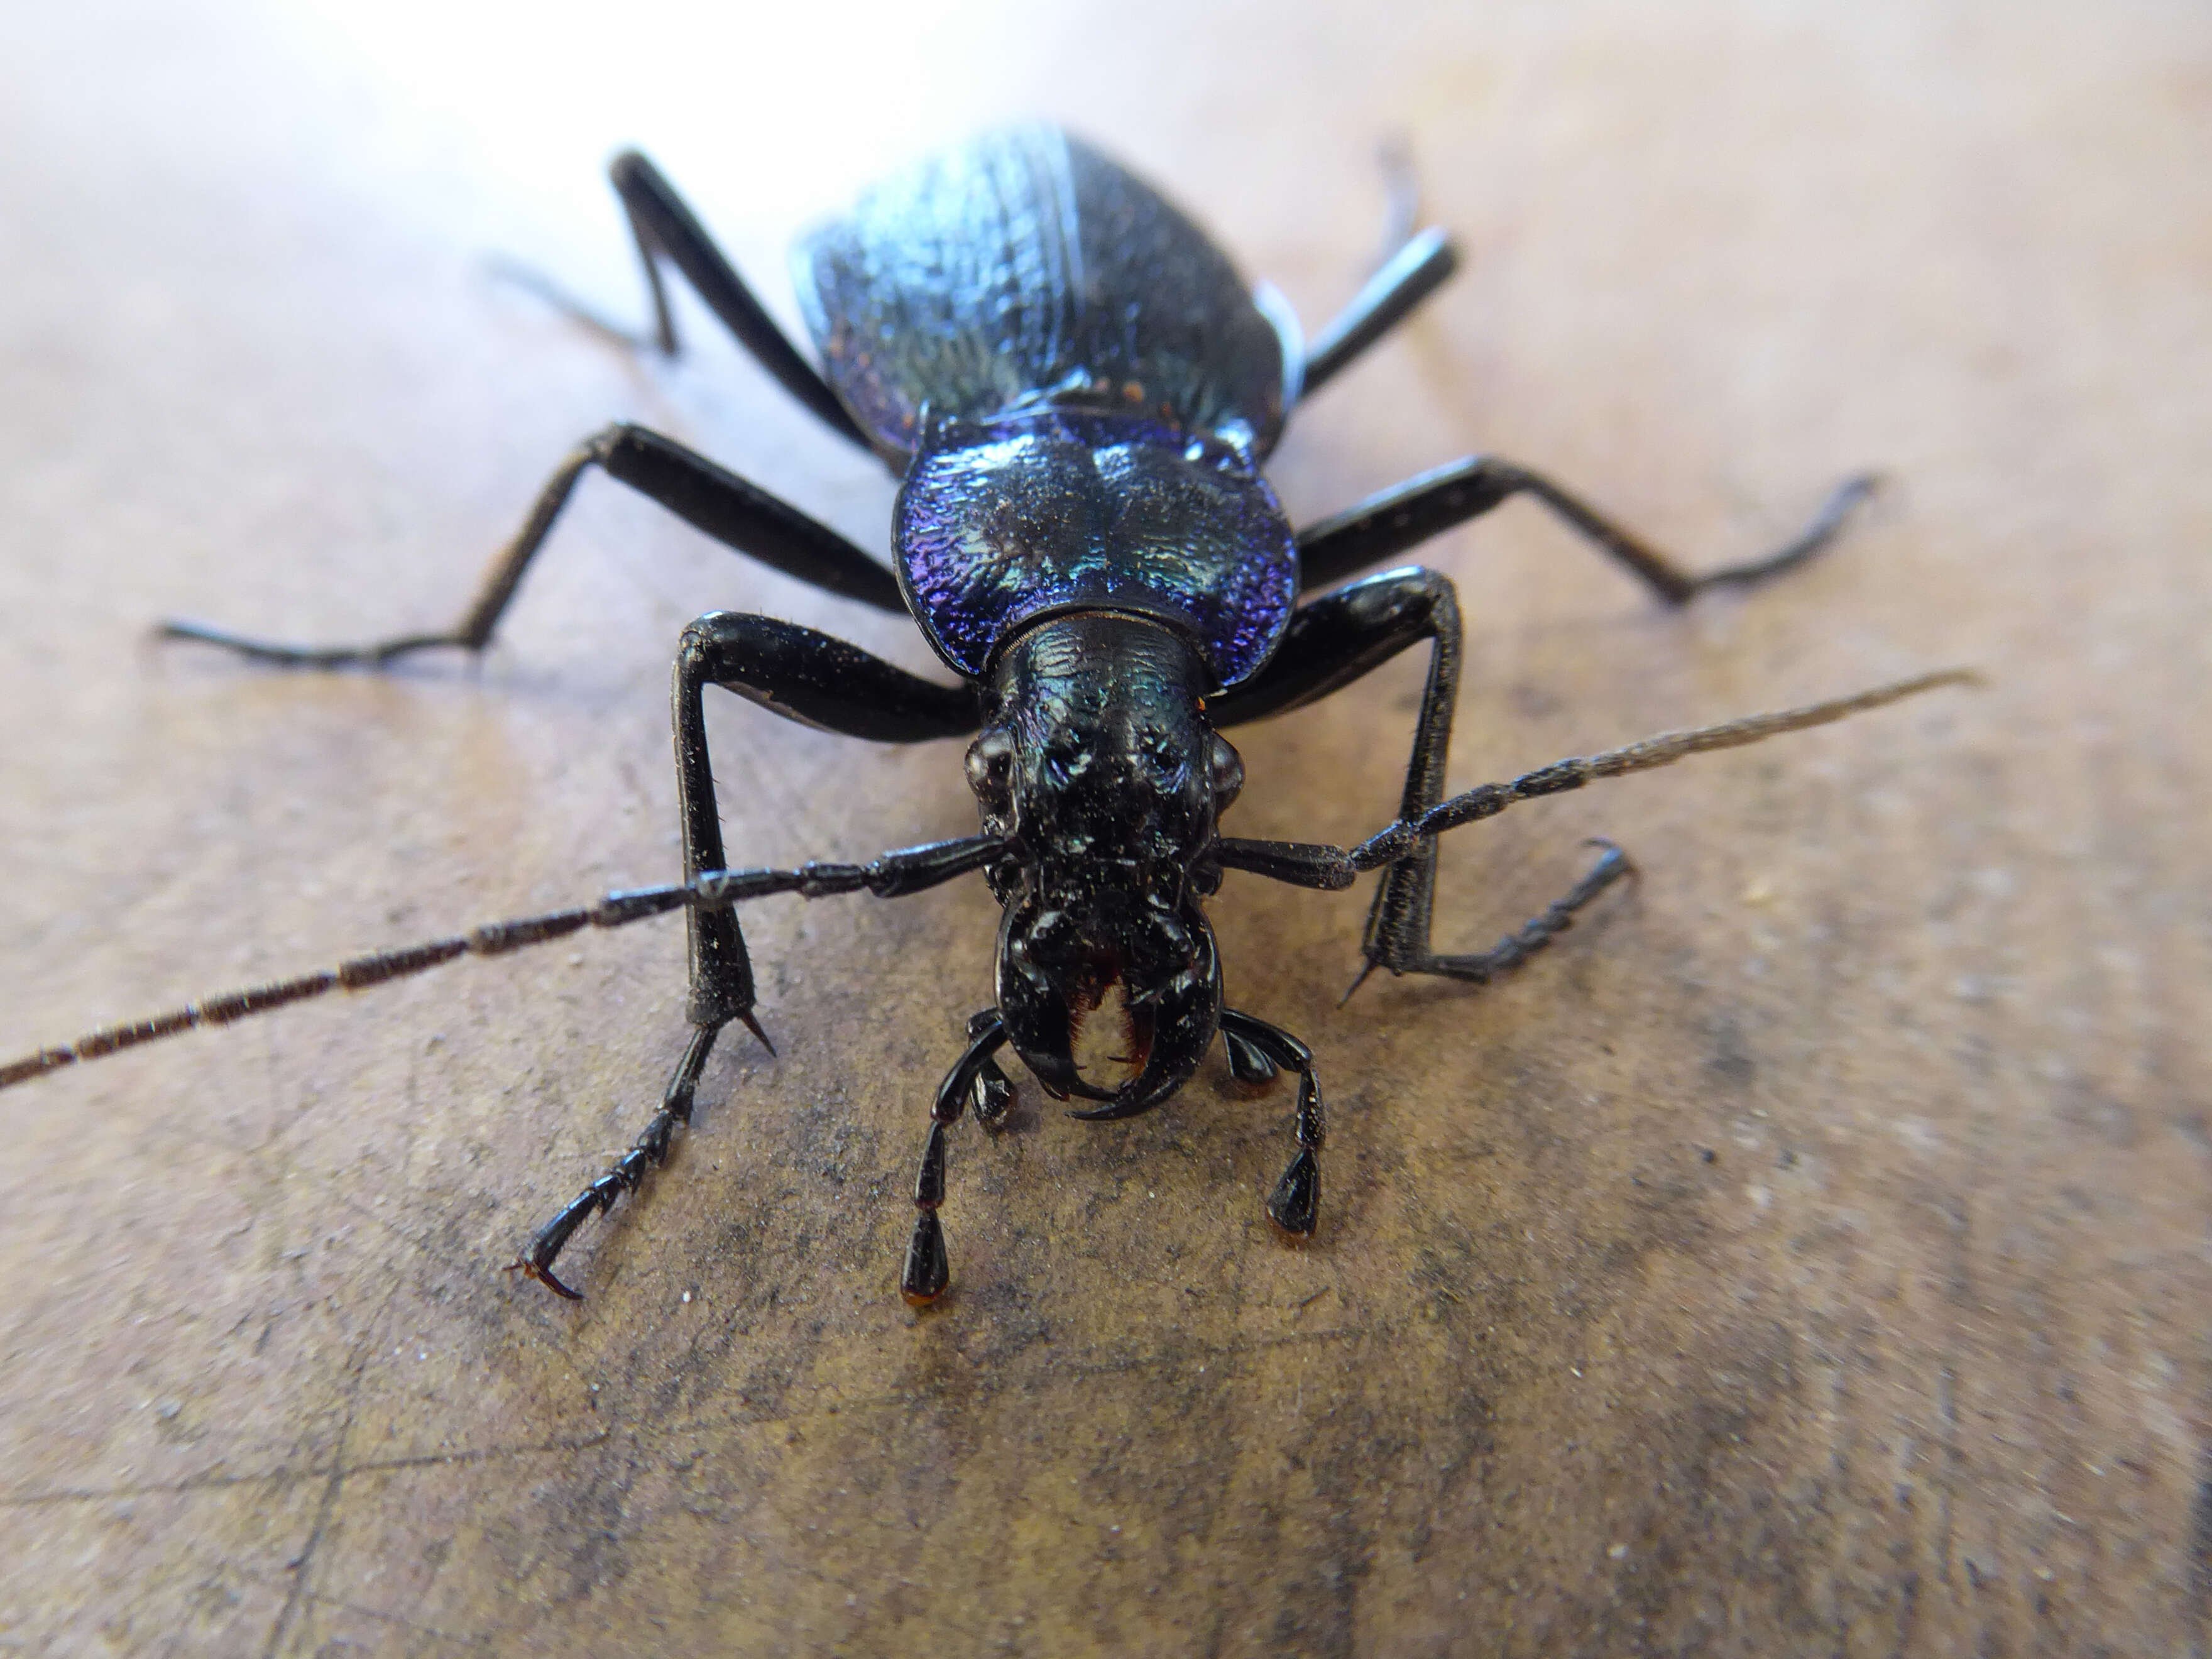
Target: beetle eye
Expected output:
[990,759]
[1228,770]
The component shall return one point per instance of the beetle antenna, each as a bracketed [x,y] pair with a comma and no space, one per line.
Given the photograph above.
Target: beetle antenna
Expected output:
[1332,869]
[891,876]
[354,973]
[1491,799]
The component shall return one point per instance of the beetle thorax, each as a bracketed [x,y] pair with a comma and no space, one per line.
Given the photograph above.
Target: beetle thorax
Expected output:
[1099,765]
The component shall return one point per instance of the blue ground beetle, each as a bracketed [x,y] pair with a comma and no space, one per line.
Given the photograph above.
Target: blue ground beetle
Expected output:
[1076,391]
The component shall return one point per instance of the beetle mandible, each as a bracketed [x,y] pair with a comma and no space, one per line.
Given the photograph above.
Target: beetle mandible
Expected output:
[1076,391]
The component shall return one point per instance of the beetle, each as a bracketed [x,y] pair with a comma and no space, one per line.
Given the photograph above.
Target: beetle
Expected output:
[1076,391]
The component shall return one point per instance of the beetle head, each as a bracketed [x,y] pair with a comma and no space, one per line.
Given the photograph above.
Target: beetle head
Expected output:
[1100,768]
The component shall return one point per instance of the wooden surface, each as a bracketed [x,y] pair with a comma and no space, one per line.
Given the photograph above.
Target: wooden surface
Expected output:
[1810,1256]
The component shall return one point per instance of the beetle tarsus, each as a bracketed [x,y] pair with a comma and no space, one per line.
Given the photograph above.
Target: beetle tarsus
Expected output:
[1358,980]
[1247,1064]
[928,1270]
[279,655]
[1295,1205]
[1406,953]
[1400,519]
[736,513]
[543,1275]
[1818,532]
[649,1150]
[549,292]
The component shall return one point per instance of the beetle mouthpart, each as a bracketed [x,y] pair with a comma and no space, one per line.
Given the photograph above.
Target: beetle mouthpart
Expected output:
[1114,1002]
[1109,1040]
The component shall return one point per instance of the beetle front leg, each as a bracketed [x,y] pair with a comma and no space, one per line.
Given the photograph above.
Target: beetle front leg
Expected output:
[1336,639]
[649,1151]
[928,1268]
[1408,952]
[1295,1205]
[1397,938]
[804,675]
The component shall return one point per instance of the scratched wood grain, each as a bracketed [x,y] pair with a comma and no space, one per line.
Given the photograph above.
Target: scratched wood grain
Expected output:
[1809,1255]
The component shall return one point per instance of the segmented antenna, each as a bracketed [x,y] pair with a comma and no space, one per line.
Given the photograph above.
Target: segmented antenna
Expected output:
[915,867]
[1313,863]
[1665,750]
[354,974]
[893,873]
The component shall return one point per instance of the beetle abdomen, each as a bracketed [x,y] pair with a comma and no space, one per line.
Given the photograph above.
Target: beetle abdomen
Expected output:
[1060,509]
[1024,262]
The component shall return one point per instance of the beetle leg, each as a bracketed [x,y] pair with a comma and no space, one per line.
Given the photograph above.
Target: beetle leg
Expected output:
[994,1091]
[738,514]
[666,227]
[1406,952]
[1295,1205]
[1398,926]
[1336,639]
[1414,265]
[928,1269]
[802,675]
[649,1150]
[1382,526]
[1409,275]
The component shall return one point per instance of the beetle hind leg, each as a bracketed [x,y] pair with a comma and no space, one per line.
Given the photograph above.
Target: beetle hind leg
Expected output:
[1295,1205]
[1414,263]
